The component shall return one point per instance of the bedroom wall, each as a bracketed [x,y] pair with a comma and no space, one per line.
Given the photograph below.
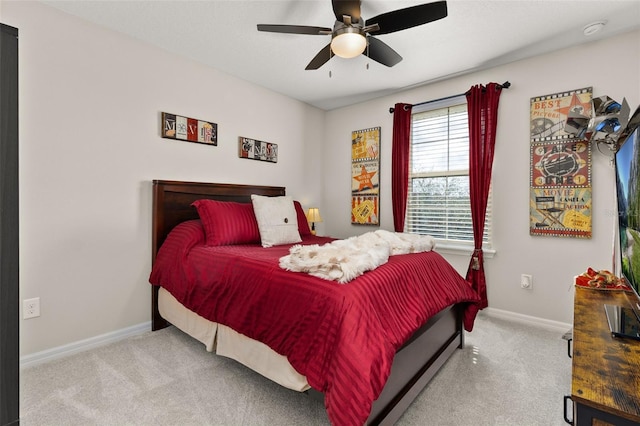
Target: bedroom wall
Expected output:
[90,103]
[552,261]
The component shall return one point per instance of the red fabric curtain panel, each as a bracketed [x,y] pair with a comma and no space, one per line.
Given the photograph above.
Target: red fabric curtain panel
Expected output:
[400,163]
[482,105]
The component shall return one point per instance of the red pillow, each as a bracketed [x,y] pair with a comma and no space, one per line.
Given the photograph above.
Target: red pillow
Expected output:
[303,225]
[227,222]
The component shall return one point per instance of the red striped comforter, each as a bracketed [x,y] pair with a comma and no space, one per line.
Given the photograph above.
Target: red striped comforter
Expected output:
[342,337]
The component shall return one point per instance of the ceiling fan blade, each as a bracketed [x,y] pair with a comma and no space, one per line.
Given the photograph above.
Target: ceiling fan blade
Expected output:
[409,17]
[380,52]
[294,29]
[321,58]
[346,7]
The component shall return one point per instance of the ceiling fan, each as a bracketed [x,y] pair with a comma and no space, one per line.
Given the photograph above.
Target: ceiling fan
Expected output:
[351,35]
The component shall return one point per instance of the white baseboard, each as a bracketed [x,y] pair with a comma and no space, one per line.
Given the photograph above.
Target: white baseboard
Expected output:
[529,320]
[103,339]
[83,345]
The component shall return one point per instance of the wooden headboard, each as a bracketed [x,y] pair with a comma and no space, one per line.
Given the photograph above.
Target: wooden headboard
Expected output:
[172,205]
[172,202]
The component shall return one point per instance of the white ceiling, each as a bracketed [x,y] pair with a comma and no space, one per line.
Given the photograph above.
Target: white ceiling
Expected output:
[475,35]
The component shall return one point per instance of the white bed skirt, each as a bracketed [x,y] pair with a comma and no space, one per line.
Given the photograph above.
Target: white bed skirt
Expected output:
[227,342]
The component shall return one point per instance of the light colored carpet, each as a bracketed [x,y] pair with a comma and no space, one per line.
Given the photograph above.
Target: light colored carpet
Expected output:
[507,374]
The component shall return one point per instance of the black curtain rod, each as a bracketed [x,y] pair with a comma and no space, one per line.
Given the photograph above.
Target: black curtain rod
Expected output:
[504,85]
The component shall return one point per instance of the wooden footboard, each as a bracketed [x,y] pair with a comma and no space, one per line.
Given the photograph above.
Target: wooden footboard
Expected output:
[415,364]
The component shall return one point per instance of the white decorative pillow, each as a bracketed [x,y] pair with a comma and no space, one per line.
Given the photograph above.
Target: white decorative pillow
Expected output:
[277,220]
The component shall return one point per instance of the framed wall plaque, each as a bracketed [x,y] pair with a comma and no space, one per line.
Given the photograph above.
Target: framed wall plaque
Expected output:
[189,129]
[257,150]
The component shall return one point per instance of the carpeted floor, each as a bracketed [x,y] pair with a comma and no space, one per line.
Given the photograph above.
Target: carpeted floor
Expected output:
[507,374]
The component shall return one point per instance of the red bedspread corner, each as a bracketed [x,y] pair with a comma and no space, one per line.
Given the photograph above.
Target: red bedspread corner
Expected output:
[469,316]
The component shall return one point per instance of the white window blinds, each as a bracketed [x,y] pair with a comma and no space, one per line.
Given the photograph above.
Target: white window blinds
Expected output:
[438,199]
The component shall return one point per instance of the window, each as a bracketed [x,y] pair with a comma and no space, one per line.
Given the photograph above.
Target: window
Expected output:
[438,198]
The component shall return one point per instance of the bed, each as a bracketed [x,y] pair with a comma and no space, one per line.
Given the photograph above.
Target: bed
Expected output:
[391,381]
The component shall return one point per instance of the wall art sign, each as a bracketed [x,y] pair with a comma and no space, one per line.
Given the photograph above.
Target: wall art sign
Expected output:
[257,150]
[549,113]
[189,129]
[560,170]
[365,176]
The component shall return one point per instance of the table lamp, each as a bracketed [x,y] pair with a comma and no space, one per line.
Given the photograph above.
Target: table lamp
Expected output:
[313,216]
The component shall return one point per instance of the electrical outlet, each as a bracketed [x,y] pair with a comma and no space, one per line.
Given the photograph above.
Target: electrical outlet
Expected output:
[526,281]
[31,308]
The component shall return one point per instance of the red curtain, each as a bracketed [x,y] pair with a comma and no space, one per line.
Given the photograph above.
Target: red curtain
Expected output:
[400,163]
[483,119]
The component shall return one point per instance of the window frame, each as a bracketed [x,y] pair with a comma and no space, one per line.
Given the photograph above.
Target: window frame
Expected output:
[449,246]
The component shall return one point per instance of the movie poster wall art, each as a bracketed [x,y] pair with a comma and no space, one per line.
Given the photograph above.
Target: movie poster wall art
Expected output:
[561,164]
[560,175]
[549,113]
[189,129]
[365,176]
[561,212]
[257,150]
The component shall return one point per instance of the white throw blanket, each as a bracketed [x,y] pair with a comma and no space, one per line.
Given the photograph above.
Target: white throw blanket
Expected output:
[344,260]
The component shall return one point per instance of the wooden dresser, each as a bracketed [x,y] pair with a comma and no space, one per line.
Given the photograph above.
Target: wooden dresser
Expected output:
[605,386]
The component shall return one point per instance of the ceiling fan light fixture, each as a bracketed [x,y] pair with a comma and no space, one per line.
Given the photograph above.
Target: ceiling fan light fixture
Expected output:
[348,42]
